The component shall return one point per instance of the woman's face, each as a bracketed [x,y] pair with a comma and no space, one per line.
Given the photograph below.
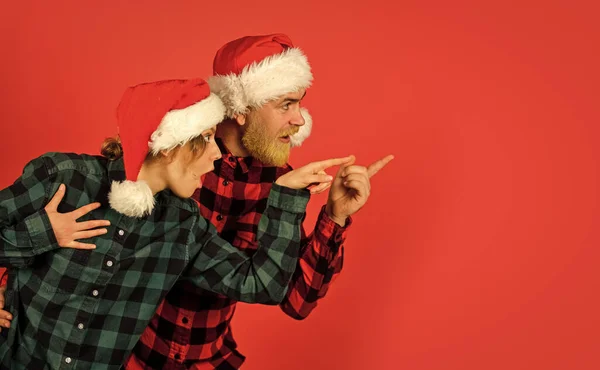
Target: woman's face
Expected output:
[184,172]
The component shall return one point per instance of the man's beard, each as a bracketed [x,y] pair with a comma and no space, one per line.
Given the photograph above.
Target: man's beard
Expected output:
[264,146]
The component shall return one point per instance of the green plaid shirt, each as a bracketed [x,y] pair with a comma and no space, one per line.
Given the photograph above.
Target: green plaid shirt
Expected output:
[85,309]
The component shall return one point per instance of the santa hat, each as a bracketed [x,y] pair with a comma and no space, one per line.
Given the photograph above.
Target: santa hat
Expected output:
[153,117]
[252,70]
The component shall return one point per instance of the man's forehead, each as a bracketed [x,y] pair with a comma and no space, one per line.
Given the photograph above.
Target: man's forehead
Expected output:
[298,95]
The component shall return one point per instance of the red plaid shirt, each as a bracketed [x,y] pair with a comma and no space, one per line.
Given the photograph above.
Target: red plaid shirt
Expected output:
[192,328]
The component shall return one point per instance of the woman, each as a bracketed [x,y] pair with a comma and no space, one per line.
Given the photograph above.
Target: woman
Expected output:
[84,306]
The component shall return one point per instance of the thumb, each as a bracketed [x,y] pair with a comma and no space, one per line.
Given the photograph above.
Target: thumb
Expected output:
[319,178]
[56,199]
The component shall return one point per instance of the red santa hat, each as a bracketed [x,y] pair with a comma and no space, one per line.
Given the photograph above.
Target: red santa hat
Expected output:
[252,70]
[153,117]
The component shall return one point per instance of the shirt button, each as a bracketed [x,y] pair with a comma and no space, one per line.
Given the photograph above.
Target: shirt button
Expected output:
[225,182]
[219,217]
[109,263]
[231,159]
[80,326]
[68,360]
[184,320]
[121,232]
[177,356]
[95,293]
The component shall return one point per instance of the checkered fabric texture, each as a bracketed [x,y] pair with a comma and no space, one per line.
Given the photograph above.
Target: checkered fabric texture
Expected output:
[192,328]
[85,309]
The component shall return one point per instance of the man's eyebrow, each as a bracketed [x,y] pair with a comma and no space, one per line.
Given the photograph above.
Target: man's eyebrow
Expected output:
[293,100]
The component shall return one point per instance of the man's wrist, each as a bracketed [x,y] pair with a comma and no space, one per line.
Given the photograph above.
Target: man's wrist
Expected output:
[338,220]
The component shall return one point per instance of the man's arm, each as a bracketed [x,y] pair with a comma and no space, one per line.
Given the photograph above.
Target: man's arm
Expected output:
[322,253]
[25,230]
[321,261]
[29,225]
[264,277]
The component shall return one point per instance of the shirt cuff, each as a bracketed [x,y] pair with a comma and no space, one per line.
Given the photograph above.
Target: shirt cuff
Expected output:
[287,199]
[40,231]
[329,232]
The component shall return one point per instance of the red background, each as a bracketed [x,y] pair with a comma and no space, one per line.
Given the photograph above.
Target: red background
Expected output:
[479,246]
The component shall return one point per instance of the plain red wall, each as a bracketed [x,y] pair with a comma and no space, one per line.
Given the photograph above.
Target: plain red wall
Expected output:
[479,246]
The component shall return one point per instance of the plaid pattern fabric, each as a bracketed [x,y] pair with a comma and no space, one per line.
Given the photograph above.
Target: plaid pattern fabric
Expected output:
[192,328]
[85,309]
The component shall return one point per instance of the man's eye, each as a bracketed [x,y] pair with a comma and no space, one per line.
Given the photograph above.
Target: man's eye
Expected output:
[207,138]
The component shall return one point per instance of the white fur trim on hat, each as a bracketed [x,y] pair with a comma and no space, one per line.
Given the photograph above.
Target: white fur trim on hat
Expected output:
[133,199]
[304,132]
[181,125]
[261,82]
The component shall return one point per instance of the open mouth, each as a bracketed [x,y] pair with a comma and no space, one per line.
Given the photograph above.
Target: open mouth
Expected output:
[285,139]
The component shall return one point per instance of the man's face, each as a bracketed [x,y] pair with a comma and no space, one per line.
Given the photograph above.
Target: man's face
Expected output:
[268,128]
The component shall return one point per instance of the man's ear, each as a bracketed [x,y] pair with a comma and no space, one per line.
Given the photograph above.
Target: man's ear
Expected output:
[240,119]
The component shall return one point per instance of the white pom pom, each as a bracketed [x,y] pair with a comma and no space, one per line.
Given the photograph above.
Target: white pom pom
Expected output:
[133,199]
[298,138]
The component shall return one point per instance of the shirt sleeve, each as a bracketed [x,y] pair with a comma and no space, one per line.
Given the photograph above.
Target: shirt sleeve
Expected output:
[262,278]
[25,229]
[321,260]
